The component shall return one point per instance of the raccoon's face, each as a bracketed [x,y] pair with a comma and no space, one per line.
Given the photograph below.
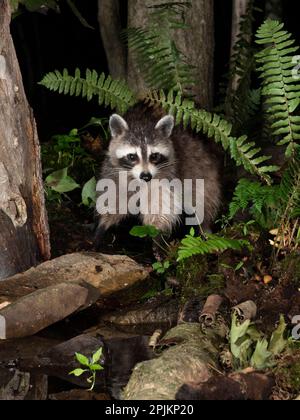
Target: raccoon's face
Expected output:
[142,152]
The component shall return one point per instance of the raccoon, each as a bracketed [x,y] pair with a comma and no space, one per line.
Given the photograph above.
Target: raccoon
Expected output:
[148,149]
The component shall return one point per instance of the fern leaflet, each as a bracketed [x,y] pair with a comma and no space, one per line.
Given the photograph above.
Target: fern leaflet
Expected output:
[113,93]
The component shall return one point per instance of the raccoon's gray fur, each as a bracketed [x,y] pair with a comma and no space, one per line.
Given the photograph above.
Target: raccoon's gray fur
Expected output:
[146,147]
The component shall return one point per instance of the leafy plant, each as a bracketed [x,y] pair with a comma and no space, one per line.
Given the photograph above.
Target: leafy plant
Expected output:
[61,182]
[161,267]
[243,152]
[112,93]
[154,48]
[144,232]
[89,194]
[242,101]
[260,201]
[250,348]
[212,244]
[272,207]
[89,365]
[280,87]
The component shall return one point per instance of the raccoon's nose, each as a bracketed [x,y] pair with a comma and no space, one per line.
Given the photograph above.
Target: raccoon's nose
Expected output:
[146,176]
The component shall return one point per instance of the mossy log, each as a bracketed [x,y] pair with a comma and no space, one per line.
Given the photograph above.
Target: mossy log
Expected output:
[190,355]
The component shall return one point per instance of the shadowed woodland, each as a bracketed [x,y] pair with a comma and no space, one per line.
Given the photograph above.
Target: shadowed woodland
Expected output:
[199,313]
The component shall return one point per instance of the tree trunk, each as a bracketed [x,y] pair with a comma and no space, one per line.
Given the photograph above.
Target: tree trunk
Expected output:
[239,9]
[196,43]
[110,28]
[24,234]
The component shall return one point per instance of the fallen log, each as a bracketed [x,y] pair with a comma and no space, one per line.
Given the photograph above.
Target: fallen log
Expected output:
[109,274]
[35,312]
[188,355]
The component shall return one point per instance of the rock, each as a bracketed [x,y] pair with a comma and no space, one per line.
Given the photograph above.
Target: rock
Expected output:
[108,274]
[35,312]
[14,385]
[12,351]
[19,386]
[38,388]
[60,360]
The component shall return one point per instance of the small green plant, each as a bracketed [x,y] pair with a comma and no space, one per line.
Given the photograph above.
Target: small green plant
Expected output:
[91,366]
[161,267]
[61,182]
[250,348]
[212,244]
[144,232]
[69,166]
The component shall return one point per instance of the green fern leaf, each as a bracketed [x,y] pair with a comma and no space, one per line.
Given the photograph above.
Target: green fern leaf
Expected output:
[111,93]
[162,64]
[280,88]
[241,151]
[191,246]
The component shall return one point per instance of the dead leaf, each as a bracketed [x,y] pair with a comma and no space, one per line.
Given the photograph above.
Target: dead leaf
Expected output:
[268,279]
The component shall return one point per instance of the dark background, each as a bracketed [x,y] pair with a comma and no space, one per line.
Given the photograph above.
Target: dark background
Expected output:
[56,41]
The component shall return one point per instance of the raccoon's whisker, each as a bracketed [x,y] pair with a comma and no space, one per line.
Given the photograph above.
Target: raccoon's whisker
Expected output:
[165,165]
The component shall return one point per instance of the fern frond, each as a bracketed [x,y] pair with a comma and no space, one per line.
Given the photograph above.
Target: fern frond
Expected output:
[281,89]
[259,200]
[113,93]
[271,206]
[162,64]
[240,99]
[243,152]
[191,246]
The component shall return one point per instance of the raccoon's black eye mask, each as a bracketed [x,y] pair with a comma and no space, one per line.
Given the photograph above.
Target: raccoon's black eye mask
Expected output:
[157,159]
[129,161]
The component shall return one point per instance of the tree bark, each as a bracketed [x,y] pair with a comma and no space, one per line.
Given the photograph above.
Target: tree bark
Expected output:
[110,28]
[196,43]
[239,9]
[24,233]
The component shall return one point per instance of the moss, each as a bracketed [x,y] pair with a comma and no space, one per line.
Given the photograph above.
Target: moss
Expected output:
[191,274]
[195,280]
[290,268]
[288,373]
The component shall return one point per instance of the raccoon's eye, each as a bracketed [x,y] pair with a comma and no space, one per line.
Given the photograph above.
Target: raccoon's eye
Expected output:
[155,157]
[132,157]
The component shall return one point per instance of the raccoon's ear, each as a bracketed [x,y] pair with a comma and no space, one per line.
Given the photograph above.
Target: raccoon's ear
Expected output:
[165,126]
[117,125]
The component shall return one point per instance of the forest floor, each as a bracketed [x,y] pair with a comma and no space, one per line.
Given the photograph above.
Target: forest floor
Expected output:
[126,326]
